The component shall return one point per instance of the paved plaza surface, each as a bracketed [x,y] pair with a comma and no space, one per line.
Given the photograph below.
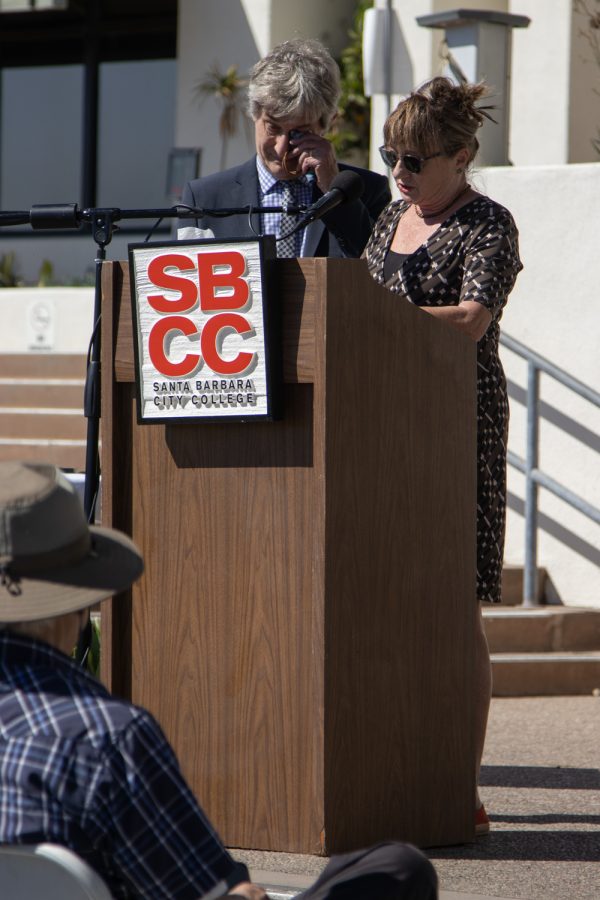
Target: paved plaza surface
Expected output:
[541,786]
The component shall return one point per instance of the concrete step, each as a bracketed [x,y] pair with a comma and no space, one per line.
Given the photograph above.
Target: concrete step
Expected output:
[546,628]
[42,365]
[41,408]
[49,423]
[512,585]
[67,454]
[545,674]
[37,393]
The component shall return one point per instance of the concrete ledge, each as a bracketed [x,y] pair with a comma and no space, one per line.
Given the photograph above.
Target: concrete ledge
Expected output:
[545,674]
[43,364]
[47,393]
[549,628]
[512,585]
[64,454]
[40,424]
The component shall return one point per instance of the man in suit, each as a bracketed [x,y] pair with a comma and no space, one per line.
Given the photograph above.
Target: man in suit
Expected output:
[293,95]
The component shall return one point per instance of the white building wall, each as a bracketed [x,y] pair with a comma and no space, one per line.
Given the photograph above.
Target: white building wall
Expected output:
[584,105]
[210,34]
[553,311]
[326,20]
[541,84]
[259,16]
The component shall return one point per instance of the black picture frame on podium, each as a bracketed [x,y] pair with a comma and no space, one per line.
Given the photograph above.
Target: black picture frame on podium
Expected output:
[201,298]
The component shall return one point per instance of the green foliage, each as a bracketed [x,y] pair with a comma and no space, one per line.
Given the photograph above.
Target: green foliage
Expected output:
[9,276]
[92,662]
[351,131]
[46,274]
[88,279]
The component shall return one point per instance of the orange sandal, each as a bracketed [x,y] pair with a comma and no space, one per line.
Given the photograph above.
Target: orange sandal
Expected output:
[482,822]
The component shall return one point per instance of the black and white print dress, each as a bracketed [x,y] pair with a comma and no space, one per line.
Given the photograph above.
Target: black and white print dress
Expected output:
[473,255]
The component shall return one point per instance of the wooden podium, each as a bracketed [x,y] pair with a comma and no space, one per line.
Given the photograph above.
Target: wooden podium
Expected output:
[304,628]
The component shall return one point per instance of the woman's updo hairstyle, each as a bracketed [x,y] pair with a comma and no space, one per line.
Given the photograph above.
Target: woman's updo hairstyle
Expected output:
[440,115]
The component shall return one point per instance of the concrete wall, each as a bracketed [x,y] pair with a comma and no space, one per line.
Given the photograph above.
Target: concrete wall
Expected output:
[531,115]
[56,319]
[555,111]
[584,107]
[553,311]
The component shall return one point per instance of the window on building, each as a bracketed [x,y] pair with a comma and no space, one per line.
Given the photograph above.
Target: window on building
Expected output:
[40,136]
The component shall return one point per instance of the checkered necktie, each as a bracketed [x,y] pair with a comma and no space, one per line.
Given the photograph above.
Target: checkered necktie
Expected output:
[287,246]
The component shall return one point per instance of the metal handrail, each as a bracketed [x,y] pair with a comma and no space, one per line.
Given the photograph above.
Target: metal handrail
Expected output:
[534,477]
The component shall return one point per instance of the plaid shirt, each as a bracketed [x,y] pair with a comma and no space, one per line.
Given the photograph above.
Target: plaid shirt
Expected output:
[271,194]
[96,774]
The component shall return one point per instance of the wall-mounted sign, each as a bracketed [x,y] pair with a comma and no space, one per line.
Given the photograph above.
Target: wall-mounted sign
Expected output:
[41,316]
[206,348]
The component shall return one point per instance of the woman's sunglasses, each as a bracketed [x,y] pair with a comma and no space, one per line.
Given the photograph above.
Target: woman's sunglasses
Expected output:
[411,162]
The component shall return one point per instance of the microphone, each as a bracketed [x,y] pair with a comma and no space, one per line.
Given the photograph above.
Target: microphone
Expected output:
[345,187]
[16,217]
[45,215]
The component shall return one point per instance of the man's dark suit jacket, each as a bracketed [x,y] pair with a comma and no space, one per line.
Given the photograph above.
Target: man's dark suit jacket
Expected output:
[343,232]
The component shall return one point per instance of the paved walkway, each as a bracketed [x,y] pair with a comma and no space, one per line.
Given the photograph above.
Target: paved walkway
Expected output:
[541,786]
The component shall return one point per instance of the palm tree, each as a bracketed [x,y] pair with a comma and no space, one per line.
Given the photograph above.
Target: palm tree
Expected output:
[227,88]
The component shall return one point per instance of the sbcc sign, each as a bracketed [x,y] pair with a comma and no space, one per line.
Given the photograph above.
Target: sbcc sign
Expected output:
[204,338]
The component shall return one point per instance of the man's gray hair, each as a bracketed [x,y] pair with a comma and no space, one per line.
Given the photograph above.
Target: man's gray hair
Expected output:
[297,79]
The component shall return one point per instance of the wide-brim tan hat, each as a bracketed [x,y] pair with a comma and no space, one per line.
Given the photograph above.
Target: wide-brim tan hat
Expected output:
[51,561]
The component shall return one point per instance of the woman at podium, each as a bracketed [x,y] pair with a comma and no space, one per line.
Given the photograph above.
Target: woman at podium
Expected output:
[454,252]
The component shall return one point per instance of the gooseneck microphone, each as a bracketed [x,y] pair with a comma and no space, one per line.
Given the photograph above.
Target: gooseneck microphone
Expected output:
[345,187]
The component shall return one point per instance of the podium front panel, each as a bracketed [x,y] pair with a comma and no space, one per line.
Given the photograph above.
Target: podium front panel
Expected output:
[304,628]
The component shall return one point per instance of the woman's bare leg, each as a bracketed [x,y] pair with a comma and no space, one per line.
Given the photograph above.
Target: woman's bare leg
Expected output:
[483,693]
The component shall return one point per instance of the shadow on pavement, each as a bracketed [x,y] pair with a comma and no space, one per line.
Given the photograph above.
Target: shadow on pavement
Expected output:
[553,846]
[555,777]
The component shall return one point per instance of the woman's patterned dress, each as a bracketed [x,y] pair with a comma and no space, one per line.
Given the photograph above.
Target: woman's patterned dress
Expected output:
[473,255]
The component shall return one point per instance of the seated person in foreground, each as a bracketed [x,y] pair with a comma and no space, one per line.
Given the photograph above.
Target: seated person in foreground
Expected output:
[295,88]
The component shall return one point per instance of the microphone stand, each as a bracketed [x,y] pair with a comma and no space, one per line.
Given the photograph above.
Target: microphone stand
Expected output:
[102,234]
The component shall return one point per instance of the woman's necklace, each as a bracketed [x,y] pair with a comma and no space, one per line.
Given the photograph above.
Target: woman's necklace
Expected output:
[438,212]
